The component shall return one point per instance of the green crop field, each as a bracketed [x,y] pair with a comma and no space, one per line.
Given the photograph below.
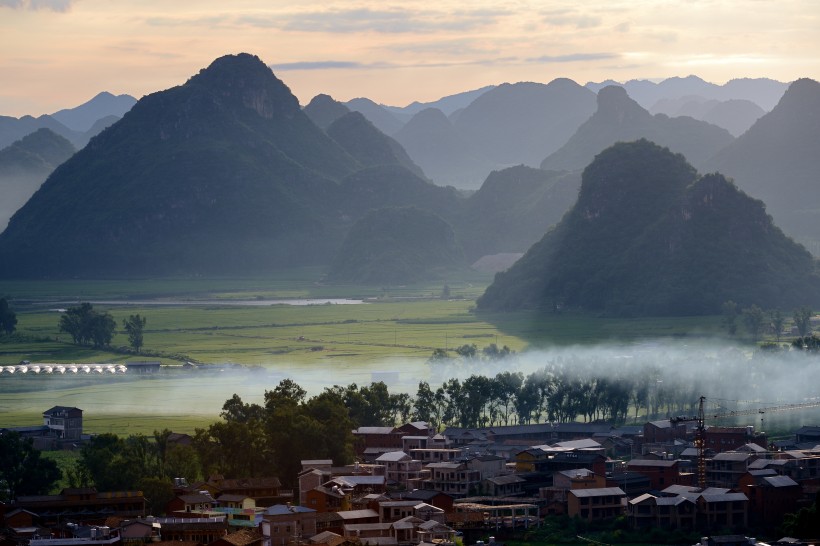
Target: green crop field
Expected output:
[248,344]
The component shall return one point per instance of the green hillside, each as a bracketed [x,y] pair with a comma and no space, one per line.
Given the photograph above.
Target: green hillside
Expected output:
[398,245]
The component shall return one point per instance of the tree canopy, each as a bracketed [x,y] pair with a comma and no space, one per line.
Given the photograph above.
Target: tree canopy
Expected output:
[87,326]
[22,470]
[8,318]
[134,325]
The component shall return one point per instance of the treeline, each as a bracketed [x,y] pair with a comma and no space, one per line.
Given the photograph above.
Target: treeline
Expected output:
[564,390]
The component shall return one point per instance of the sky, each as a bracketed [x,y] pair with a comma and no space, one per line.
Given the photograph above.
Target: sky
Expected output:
[60,53]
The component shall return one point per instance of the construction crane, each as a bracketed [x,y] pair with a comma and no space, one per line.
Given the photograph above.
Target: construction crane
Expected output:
[700,431]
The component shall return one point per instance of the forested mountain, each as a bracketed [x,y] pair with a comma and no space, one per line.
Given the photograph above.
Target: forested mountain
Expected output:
[223,173]
[648,236]
[619,118]
[368,145]
[25,165]
[513,209]
[396,246]
[394,186]
[778,161]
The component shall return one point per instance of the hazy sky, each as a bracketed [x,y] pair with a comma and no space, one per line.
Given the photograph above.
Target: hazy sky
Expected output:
[60,53]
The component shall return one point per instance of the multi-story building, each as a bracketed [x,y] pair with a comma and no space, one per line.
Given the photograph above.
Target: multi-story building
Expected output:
[725,469]
[455,479]
[596,504]
[650,511]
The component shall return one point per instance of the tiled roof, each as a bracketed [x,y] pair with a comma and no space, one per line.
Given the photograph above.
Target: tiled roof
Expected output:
[356,514]
[779,481]
[393,456]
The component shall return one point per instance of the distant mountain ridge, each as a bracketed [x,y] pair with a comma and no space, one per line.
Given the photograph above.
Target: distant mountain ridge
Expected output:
[78,125]
[510,124]
[764,92]
[24,166]
[619,118]
[778,160]
[83,117]
[734,115]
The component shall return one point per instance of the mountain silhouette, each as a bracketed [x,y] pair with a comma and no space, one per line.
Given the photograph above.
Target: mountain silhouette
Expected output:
[778,160]
[619,118]
[649,236]
[223,173]
[25,165]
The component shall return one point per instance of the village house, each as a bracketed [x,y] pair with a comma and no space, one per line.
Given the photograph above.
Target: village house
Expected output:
[371,442]
[191,503]
[265,491]
[455,479]
[725,469]
[436,455]
[429,496]
[650,511]
[400,468]
[508,485]
[596,503]
[661,473]
[716,507]
[197,530]
[770,496]
[539,460]
[633,483]
[335,521]
[83,504]
[720,439]
[285,523]
[140,531]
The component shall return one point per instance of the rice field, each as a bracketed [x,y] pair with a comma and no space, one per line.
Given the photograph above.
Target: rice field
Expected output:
[247,346]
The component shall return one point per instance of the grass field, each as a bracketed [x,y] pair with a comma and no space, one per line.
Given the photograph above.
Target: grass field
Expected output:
[225,322]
